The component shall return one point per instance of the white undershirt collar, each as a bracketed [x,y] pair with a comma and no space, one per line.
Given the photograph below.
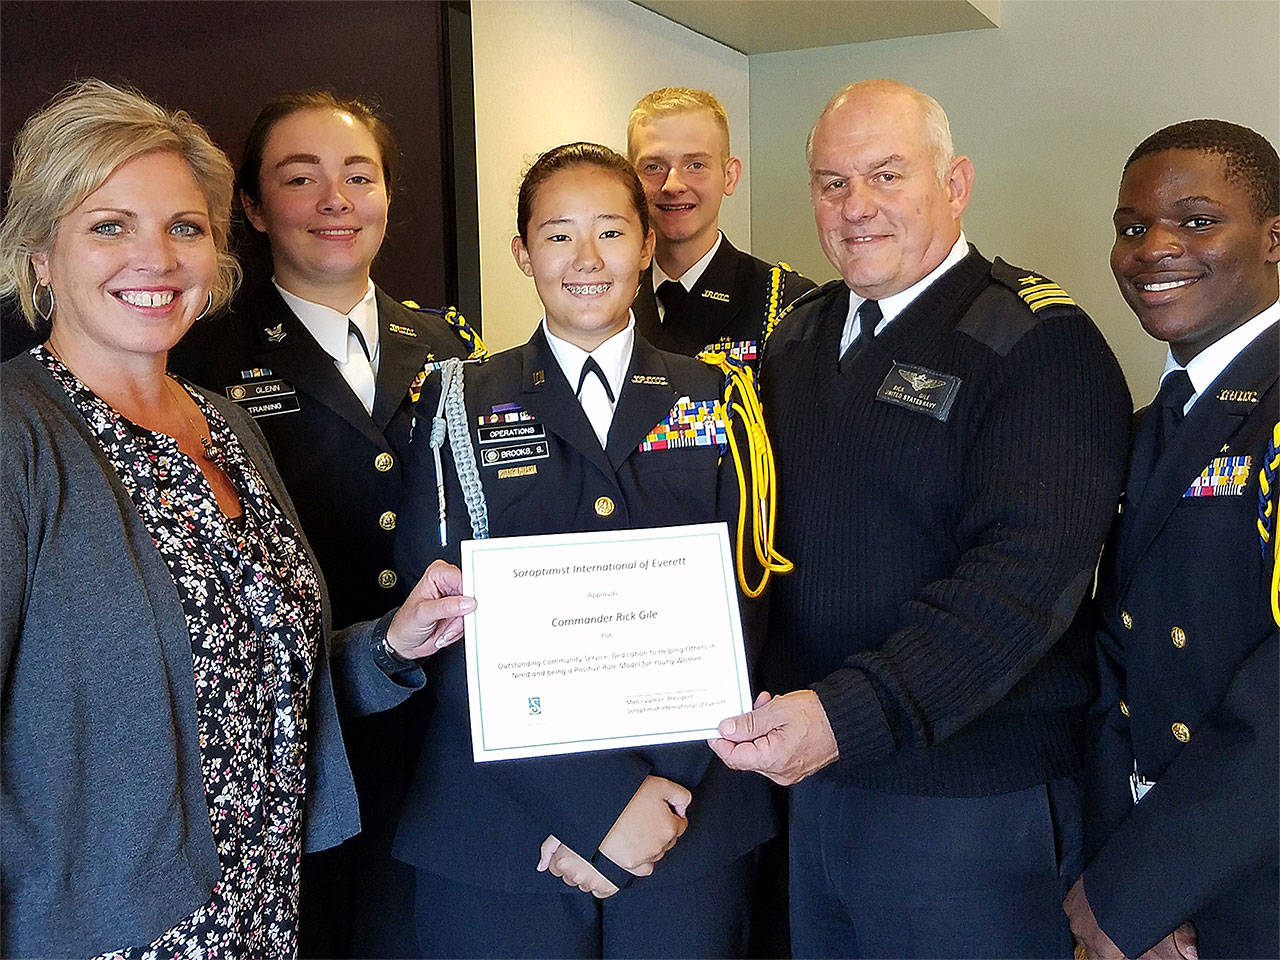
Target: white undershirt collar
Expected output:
[895,303]
[1206,365]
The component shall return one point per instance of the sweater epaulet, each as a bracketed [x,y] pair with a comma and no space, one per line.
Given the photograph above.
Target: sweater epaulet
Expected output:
[1012,305]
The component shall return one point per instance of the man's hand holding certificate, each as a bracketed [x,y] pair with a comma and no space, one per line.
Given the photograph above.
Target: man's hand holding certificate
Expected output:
[593,641]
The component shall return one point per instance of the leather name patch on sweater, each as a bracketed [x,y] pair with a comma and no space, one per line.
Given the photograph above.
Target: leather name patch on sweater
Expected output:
[920,389]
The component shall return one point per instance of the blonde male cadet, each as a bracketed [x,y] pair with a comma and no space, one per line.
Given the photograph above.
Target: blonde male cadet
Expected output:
[701,292]
[950,435]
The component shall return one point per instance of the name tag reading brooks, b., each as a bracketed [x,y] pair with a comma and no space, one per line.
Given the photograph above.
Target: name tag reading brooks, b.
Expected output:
[920,389]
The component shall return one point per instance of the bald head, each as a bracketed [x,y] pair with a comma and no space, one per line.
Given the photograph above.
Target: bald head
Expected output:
[907,101]
[887,193]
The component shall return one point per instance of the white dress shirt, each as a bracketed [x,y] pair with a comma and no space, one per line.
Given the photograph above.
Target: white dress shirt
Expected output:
[1213,359]
[894,304]
[613,356]
[331,330]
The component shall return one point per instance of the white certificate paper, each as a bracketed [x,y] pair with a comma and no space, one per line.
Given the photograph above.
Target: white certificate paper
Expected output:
[592,641]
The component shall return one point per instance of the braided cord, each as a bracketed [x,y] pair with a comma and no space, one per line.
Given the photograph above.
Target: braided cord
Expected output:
[740,399]
[1267,515]
[451,421]
[775,296]
[454,318]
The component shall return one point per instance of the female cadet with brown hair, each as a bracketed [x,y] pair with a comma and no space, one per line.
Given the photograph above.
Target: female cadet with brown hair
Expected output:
[170,741]
[661,837]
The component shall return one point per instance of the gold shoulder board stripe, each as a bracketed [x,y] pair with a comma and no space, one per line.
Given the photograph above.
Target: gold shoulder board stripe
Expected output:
[1043,295]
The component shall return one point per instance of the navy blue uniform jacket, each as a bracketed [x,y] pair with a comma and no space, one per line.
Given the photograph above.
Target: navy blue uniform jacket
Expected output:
[341,465]
[1189,688]
[483,823]
[730,302]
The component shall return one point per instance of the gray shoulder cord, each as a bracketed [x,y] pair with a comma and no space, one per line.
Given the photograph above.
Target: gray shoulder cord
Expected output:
[451,420]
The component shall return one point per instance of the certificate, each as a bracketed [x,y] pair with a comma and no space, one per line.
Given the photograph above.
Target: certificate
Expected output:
[592,641]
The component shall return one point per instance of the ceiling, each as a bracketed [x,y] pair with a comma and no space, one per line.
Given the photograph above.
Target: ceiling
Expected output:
[768,26]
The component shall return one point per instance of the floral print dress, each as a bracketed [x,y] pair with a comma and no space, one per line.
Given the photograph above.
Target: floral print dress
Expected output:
[252,603]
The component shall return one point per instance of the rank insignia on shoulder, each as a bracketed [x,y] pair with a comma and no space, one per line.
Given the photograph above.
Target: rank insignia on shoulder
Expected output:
[920,390]
[715,295]
[1223,477]
[403,331]
[653,381]
[1036,291]
[275,334]
[505,413]
[691,423]
[1039,293]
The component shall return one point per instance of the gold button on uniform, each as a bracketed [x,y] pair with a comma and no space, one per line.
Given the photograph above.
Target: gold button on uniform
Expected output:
[604,507]
[1182,732]
[383,462]
[1126,619]
[1179,637]
[388,520]
[387,579]
[1124,708]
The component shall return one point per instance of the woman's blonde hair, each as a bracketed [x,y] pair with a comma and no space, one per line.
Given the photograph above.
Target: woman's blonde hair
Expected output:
[70,149]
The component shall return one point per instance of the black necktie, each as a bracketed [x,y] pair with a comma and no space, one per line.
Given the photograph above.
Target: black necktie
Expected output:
[869,317]
[1173,396]
[592,367]
[1158,425]
[672,294]
[355,332]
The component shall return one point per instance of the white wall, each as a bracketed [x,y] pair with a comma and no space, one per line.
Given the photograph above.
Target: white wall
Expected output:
[1048,106]
[555,71]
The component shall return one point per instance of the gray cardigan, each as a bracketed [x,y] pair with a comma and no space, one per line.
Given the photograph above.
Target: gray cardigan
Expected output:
[105,830]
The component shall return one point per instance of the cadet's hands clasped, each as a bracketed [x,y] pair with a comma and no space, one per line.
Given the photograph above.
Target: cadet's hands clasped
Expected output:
[650,824]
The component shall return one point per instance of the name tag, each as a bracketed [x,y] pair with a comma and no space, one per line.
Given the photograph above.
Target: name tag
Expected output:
[258,389]
[514,453]
[511,431]
[920,390]
[264,398]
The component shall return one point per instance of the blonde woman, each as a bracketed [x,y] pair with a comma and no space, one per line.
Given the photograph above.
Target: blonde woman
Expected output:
[170,738]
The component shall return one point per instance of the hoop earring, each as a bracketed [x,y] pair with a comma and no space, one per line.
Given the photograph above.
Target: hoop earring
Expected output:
[205,312]
[45,315]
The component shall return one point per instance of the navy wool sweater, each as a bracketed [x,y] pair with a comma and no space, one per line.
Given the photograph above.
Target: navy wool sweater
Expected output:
[945,494]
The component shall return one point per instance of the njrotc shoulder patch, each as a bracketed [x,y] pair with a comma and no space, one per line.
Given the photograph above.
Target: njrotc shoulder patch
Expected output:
[1223,477]
[691,423]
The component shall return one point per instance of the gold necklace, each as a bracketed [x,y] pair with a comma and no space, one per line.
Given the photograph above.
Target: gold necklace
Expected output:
[211,450]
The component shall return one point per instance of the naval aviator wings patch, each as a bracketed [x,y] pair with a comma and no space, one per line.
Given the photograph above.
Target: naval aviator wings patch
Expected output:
[920,390]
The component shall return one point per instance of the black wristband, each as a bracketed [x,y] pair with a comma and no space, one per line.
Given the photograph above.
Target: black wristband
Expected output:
[384,656]
[615,874]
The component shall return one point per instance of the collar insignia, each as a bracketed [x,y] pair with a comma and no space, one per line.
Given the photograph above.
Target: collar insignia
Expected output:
[1238,396]
[275,334]
[539,377]
[715,295]
[404,331]
[652,380]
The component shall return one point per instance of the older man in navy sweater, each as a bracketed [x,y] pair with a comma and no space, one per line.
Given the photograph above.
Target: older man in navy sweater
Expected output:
[950,436]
